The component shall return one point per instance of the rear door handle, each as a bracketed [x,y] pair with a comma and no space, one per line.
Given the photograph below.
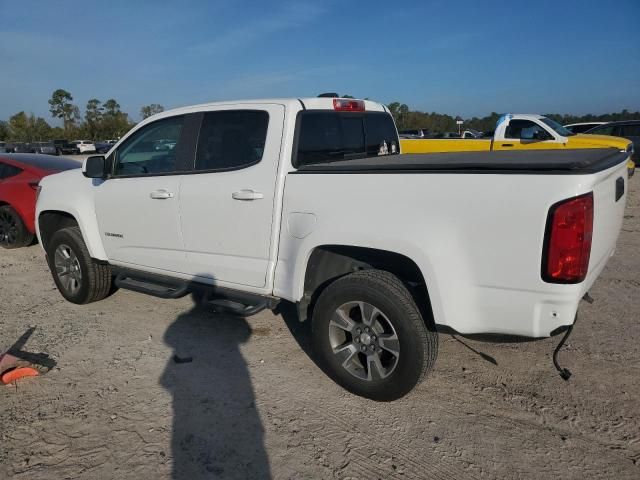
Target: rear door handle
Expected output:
[246,195]
[161,195]
[507,144]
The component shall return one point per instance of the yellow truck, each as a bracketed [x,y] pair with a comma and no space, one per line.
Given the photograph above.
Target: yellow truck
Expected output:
[521,132]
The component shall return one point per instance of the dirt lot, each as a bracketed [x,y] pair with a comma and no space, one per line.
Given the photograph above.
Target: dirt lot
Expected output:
[252,403]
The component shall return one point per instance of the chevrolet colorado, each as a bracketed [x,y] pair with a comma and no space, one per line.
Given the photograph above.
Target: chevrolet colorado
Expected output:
[309,201]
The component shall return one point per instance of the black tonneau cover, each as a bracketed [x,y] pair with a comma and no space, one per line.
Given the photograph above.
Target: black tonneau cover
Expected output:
[573,162]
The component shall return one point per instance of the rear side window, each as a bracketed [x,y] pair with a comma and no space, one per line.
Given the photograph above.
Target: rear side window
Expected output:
[8,171]
[606,130]
[581,128]
[231,139]
[326,136]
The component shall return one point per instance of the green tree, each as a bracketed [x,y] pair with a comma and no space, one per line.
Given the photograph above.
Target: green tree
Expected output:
[19,125]
[5,131]
[114,121]
[93,117]
[111,107]
[61,107]
[147,110]
[40,128]
[28,128]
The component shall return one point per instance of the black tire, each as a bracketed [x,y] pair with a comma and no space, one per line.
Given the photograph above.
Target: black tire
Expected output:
[417,344]
[94,282]
[13,233]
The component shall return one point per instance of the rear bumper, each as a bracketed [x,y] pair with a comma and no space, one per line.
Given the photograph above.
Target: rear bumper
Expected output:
[525,313]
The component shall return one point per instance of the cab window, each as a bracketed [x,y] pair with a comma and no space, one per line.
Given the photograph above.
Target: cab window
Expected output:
[232,139]
[525,130]
[151,150]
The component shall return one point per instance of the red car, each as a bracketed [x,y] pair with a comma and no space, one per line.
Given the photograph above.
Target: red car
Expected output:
[19,177]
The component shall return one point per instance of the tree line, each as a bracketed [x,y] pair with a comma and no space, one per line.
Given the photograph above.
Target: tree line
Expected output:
[101,121]
[106,120]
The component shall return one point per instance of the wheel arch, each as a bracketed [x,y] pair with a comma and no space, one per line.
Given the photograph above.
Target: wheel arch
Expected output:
[327,263]
[50,221]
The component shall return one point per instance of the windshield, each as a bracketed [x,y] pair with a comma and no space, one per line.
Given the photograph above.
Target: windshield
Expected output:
[559,129]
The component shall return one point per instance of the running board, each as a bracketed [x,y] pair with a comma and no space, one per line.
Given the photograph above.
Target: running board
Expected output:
[227,300]
[242,304]
[154,285]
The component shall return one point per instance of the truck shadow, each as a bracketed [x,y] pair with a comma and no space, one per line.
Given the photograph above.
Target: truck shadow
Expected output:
[217,431]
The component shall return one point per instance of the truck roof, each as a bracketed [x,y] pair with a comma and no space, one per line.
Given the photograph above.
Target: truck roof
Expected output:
[308,103]
[526,115]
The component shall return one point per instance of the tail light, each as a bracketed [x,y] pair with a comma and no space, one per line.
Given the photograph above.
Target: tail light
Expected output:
[568,240]
[348,105]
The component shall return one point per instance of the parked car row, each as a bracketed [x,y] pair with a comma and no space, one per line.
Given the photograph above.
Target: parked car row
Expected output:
[424,133]
[58,147]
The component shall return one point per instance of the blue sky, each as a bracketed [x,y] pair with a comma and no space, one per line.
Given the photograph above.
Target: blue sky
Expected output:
[458,57]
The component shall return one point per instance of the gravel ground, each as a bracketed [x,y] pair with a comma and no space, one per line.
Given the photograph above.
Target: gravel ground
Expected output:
[252,403]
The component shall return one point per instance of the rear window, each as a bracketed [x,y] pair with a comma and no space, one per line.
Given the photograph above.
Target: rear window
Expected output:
[326,136]
[8,171]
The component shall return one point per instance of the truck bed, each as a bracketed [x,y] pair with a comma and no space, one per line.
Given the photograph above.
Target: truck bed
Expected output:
[535,162]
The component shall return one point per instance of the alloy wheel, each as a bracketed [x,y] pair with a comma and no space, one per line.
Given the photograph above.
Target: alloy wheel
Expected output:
[68,268]
[8,229]
[364,340]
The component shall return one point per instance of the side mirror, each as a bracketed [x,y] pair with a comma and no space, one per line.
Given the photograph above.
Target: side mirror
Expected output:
[95,167]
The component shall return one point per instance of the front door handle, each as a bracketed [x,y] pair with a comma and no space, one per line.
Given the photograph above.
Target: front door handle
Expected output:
[507,144]
[247,195]
[161,195]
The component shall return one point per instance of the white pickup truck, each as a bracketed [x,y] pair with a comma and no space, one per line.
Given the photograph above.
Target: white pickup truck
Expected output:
[309,201]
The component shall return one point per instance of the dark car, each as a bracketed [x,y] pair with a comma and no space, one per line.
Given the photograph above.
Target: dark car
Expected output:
[64,147]
[629,129]
[103,147]
[47,148]
[20,147]
[415,133]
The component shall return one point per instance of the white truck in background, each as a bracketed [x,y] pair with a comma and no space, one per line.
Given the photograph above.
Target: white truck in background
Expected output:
[309,201]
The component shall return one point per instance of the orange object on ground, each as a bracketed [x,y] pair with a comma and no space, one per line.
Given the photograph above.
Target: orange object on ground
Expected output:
[17,373]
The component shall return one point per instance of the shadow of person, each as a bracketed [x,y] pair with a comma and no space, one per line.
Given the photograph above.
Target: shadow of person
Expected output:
[217,431]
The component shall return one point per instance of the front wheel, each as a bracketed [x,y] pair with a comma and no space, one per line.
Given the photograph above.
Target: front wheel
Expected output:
[79,278]
[370,335]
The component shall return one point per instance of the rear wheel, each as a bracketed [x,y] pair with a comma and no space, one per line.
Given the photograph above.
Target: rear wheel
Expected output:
[79,278]
[370,335]
[13,233]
